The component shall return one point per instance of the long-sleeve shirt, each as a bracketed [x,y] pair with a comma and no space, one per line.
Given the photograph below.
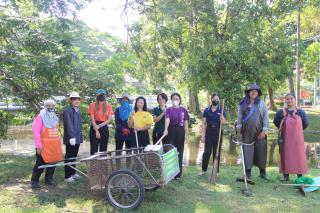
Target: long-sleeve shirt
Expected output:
[38,129]
[300,112]
[120,125]
[263,112]
[72,125]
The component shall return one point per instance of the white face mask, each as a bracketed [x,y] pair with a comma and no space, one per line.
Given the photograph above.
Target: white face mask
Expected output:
[175,103]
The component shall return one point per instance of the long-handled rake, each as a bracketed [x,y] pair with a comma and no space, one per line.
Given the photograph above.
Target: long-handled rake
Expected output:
[215,166]
[246,191]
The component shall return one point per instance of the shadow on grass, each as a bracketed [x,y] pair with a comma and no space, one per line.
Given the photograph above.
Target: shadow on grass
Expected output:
[190,194]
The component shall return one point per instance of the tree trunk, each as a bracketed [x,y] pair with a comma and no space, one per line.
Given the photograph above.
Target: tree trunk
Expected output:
[315,92]
[232,147]
[272,106]
[193,102]
[298,76]
[271,152]
[290,80]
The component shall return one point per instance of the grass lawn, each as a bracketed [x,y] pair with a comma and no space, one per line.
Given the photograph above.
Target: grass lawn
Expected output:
[190,194]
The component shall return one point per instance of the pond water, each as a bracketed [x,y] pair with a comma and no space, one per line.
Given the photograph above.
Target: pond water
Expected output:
[22,144]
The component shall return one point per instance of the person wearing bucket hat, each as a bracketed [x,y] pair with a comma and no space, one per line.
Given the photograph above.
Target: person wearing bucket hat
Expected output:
[72,136]
[47,142]
[123,133]
[100,113]
[252,127]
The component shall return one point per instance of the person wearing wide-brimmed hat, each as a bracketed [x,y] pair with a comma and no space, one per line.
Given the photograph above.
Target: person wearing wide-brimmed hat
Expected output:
[252,127]
[100,113]
[72,137]
[47,142]
[123,134]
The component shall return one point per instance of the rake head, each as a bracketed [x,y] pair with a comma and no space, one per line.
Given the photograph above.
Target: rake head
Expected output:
[246,192]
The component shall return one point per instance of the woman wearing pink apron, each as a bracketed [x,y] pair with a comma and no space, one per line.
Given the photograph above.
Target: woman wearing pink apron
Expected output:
[291,121]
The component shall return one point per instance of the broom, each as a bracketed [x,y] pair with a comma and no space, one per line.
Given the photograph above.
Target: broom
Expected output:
[213,175]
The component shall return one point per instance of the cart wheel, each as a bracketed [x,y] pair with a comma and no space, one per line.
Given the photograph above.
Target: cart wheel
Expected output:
[124,189]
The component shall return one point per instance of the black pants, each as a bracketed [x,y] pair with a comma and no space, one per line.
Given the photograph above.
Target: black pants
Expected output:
[156,136]
[143,139]
[176,138]
[37,172]
[210,146]
[99,144]
[71,152]
[119,145]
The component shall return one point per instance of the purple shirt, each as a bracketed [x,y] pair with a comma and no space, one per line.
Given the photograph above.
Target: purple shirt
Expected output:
[177,116]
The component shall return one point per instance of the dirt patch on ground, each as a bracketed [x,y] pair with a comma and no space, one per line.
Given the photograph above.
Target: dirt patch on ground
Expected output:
[20,132]
[23,187]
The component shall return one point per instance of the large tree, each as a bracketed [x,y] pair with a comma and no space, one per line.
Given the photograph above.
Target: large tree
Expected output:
[213,45]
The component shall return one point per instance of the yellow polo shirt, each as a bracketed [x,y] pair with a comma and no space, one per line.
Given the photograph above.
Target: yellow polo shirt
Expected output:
[142,119]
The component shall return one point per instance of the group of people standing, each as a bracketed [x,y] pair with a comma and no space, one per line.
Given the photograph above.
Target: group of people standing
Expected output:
[132,126]
[252,128]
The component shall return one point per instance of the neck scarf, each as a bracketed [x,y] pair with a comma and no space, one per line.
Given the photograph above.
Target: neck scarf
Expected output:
[124,110]
[49,119]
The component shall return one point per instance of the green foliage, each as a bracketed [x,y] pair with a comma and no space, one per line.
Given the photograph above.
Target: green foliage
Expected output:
[20,119]
[311,61]
[44,56]
[4,123]
[215,46]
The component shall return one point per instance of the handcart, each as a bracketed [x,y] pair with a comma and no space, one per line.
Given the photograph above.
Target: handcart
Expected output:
[126,174]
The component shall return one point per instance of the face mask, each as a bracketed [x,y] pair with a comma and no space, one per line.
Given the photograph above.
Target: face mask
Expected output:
[215,103]
[125,103]
[50,110]
[101,97]
[175,103]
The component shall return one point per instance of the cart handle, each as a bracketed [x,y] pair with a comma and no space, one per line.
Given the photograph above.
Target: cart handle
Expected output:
[160,140]
[241,143]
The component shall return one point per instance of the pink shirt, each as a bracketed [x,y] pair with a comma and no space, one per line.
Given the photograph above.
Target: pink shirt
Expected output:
[38,129]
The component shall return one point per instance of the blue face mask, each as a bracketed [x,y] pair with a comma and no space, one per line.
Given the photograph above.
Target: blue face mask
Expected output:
[125,103]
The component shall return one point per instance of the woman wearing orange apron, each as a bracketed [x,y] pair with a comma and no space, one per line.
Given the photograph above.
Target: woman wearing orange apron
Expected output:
[47,142]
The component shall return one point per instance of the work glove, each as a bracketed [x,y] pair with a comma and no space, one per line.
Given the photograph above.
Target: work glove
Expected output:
[72,141]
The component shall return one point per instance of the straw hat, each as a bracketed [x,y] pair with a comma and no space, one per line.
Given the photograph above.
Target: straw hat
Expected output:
[74,95]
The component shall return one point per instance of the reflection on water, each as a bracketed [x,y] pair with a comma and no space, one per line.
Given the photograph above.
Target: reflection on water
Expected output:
[26,147]
[230,153]
[193,150]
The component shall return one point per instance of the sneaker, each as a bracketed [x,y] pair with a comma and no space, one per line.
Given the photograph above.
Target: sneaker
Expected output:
[202,173]
[76,177]
[35,185]
[69,180]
